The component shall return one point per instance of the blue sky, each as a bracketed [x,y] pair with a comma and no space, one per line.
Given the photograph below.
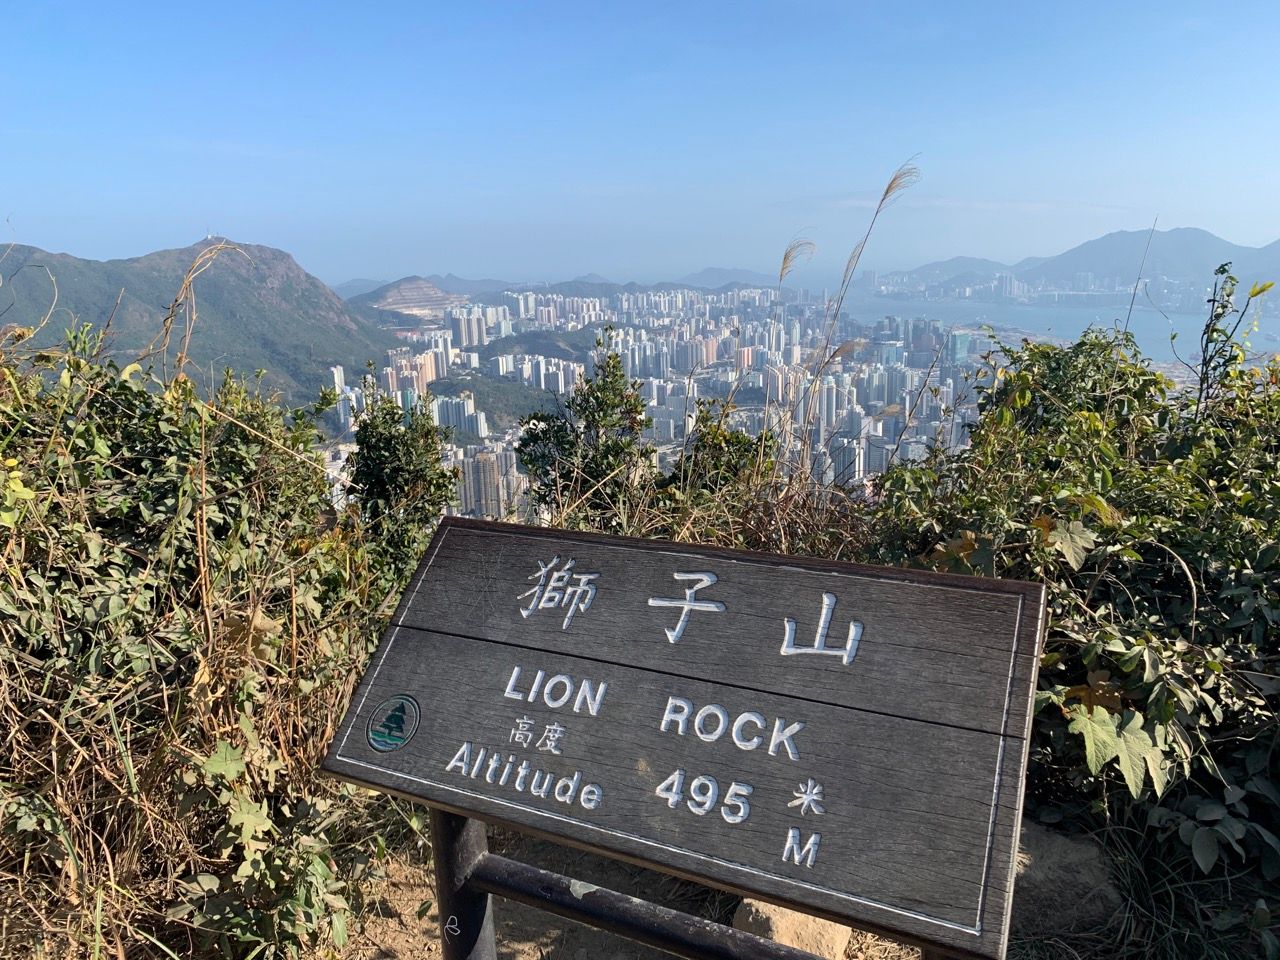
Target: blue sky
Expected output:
[547,140]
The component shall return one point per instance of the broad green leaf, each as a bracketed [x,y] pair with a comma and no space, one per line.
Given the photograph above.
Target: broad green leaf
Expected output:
[1211,811]
[250,818]
[1159,773]
[206,882]
[1270,838]
[1150,665]
[1098,728]
[338,929]
[1074,541]
[1134,747]
[1187,831]
[226,761]
[1204,847]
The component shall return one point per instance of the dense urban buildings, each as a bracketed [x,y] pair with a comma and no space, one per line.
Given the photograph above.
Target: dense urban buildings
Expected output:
[846,397]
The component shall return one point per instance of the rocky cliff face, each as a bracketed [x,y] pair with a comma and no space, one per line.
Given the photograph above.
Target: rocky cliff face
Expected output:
[414,296]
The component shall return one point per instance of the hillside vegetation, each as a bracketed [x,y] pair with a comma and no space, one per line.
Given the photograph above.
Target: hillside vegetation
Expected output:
[504,401]
[183,618]
[258,310]
[564,345]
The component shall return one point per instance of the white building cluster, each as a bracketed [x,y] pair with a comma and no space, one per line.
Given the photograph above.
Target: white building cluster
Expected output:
[849,396]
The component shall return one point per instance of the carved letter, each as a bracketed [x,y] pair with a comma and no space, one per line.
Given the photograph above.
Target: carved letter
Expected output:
[741,742]
[543,788]
[795,852]
[554,700]
[722,721]
[511,690]
[567,787]
[782,737]
[522,771]
[460,759]
[537,685]
[590,696]
[677,712]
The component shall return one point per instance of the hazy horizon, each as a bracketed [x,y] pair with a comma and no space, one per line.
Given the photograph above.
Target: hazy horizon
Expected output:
[524,144]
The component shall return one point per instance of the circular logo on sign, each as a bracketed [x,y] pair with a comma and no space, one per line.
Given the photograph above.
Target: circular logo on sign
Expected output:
[393,723]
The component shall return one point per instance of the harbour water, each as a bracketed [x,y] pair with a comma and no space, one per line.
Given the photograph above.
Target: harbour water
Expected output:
[1150,327]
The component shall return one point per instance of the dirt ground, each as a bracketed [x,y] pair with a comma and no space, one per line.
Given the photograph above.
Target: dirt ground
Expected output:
[392,930]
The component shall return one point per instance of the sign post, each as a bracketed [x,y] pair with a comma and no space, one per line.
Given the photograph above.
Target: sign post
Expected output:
[846,740]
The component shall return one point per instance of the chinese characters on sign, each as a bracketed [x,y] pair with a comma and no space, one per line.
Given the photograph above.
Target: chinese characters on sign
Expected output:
[689,603]
[551,738]
[847,652]
[559,587]
[522,733]
[552,734]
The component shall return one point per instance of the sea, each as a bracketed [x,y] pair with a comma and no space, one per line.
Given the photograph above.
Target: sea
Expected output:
[1154,331]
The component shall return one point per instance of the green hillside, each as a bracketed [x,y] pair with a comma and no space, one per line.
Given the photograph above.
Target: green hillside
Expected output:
[574,345]
[504,401]
[255,308]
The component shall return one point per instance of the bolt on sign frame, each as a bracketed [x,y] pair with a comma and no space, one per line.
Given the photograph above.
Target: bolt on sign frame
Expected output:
[846,740]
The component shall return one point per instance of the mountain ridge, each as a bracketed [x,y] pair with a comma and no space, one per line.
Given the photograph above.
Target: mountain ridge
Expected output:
[1180,253]
[709,278]
[256,308]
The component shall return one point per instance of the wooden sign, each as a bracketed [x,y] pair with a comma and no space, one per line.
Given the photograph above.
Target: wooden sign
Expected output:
[844,739]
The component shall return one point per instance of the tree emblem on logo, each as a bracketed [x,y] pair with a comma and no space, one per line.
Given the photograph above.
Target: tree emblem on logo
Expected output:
[393,723]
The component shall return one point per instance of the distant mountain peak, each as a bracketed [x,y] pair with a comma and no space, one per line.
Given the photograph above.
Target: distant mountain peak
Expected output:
[412,296]
[353,288]
[258,309]
[452,283]
[713,277]
[1181,253]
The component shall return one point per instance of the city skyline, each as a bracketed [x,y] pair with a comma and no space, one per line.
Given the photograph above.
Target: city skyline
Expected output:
[898,387]
[544,144]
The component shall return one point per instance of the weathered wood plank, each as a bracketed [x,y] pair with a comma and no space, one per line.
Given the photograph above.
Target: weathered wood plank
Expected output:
[598,730]
[946,650]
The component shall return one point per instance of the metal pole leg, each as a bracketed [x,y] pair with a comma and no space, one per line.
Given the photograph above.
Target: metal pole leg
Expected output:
[466,917]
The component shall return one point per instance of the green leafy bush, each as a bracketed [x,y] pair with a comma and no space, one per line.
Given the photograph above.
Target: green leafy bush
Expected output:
[183,617]
[1153,516]
[586,462]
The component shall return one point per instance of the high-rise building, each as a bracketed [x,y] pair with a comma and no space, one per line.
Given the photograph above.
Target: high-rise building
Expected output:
[481,493]
[460,414]
[468,328]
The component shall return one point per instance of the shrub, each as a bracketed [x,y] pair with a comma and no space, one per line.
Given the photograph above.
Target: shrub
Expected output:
[586,462]
[183,617]
[1153,516]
